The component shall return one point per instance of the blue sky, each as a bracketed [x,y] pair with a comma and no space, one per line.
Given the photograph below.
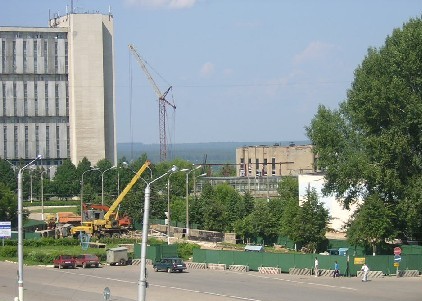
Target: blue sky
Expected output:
[241,70]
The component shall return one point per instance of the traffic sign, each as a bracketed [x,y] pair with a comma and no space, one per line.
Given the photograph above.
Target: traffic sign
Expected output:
[397,251]
[397,258]
[5,230]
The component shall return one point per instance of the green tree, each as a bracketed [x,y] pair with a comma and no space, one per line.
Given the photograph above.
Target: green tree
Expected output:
[66,181]
[372,144]
[9,205]
[306,224]
[8,176]
[371,224]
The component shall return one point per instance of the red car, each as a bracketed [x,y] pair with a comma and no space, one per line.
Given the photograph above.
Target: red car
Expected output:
[87,260]
[64,261]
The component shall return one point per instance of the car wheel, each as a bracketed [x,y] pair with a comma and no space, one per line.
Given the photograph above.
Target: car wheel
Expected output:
[169,270]
[84,265]
[156,269]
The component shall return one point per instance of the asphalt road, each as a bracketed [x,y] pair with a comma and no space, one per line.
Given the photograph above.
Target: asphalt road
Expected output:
[43,283]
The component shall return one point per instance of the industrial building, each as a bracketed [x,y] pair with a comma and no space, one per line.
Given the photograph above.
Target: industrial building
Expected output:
[57,95]
[275,160]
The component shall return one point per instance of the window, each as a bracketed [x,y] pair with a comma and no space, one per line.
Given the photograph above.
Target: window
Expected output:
[24,57]
[37,139]
[4,98]
[56,56]
[46,97]
[14,55]
[57,99]
[67,99]
[3,56]
[26,142]
[35,56]
[68,141]
[47,141]
[273,166]
[15,141]
[4,141]
[66,62]
[264,168]
[25,99]
[15,101]
[36,98]
[57,141]
[45,56]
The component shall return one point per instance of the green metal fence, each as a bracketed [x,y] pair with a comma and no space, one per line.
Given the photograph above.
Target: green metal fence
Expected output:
[254,260]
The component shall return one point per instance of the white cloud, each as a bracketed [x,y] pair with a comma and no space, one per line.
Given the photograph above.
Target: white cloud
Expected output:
[172,4]
[314,51]
[207,69]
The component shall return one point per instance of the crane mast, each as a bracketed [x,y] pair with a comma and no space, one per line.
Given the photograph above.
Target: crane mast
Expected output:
[162,103]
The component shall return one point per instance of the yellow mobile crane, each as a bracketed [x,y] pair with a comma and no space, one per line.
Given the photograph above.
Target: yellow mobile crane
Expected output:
[109,225]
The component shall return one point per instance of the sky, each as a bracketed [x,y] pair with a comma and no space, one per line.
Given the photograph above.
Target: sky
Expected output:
[240,70]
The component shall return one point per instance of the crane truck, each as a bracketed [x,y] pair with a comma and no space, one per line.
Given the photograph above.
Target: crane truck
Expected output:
[108,226]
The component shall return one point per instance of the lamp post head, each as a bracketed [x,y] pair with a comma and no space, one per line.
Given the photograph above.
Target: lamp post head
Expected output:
[174,168]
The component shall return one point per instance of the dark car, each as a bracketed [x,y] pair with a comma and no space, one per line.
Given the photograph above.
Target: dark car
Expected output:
[87,260]
[170,265]
[64,261]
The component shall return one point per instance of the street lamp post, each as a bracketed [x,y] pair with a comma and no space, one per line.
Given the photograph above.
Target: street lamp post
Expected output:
[82,191]
[102,184]
[20,229]
[187,196]
[142,284]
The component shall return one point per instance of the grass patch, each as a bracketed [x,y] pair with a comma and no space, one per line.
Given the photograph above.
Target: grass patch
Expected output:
[56,209]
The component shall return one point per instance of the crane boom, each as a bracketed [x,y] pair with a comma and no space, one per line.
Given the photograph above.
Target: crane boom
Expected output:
[162,102]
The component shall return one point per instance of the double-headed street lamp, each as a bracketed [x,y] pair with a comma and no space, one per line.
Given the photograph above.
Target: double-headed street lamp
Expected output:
[42,191]
[187,196]
[142,284]
[102,183]
[20,229]
[82,190]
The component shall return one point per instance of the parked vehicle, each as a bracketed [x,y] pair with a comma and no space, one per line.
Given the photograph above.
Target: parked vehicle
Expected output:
[170,265]
[64,261]
[87,260]
[118,256]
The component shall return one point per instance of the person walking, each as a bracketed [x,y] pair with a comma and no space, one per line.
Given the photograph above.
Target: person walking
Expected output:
[316,267]
[336,270]
[365,271]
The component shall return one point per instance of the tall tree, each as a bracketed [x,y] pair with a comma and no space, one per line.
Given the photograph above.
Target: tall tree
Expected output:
[372,145]
[371,224]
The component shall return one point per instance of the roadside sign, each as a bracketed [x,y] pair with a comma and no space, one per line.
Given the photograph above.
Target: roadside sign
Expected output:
[397,251]
[5,229]
[397,258]
[359,260]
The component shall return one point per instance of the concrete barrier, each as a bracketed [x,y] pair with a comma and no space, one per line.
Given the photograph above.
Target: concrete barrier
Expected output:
[408,273]
[196,265]
[297,271]
[217,266]
[238,268]
[372,274]
[269,270]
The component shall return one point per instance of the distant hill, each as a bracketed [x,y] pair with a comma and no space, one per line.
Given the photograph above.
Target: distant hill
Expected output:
[214,152]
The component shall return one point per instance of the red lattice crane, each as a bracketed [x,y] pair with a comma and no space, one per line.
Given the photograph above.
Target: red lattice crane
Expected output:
[162,103]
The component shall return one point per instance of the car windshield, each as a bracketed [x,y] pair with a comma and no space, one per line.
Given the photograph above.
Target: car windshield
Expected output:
[91,257]
[66,257]
[177,260]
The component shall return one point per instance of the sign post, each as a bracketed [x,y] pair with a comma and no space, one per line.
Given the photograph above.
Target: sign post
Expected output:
[5,230]
[397,259]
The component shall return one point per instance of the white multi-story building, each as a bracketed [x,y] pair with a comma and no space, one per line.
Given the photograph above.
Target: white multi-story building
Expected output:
[57,94]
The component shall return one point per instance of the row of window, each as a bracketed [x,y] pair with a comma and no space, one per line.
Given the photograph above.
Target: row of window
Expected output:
[27,99]
[27,141]
[36,55]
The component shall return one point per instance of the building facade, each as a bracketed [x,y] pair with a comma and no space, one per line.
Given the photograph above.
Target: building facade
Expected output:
[276,160]
[57,91]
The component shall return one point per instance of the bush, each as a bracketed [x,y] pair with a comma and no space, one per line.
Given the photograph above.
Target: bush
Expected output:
[185,249]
